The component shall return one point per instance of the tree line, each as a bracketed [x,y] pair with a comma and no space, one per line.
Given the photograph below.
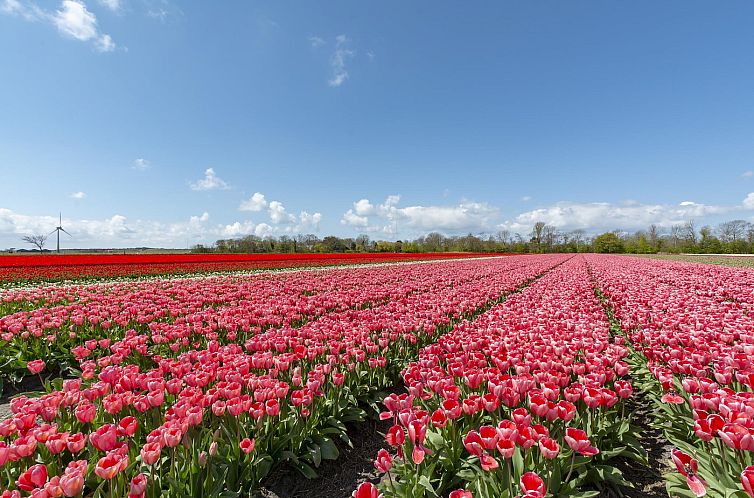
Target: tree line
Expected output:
[736,236]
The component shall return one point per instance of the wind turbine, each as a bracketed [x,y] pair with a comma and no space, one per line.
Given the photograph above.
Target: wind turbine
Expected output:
[59,229]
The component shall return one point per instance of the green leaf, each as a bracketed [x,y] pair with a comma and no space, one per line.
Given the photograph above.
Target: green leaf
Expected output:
[314,454]
[305,470]
[518,462]
[328,449]
[424,482]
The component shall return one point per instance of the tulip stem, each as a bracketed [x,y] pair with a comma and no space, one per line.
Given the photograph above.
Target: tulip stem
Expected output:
[573,460]
[510,477]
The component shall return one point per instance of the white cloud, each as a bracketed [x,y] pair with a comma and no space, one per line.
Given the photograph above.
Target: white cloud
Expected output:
[526,198]
[104,44]
[363,207]
[28,11]
[596,216]
[119,231]
[466,216]
[255,203]
[353,219]
[316,41]
[210,182]
[338,61]
[78,195]
[749,201]
[73,20]
[309,221]
[278,214]
[747,174]
[141,164]
[281,219]
[113,5]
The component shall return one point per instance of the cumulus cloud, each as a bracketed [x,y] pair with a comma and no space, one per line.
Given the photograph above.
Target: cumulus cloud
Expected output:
[210,182]
[279,215]
[119,231]
[141,164]
[597,216]
[282,221]
[72,19]
[338,61]
[466,216]
[256,203]
[78,195]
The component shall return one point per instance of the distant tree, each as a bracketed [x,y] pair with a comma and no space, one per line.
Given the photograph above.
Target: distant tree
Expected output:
[36,240]
[653,237]
[536,234]
[732,231]
[362,243]
[608,243]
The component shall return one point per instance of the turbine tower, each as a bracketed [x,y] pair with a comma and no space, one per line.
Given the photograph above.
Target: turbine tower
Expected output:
[59,229]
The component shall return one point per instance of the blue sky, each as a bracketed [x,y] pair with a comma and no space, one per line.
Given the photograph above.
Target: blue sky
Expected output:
[154,122]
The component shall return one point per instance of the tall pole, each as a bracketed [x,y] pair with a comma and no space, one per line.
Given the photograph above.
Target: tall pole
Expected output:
[58,230]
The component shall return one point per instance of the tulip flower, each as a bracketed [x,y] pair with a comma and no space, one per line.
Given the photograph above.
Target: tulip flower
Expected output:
[150,453]
[247,445]
[138,486]
[383,463]
[688,467]
[747,480]
[35,366]
[110,465]
[532,485]
[34,477]
[579,442]
[460,493]
[366,490]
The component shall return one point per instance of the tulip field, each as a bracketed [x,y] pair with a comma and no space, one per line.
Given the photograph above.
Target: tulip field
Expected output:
[514,376]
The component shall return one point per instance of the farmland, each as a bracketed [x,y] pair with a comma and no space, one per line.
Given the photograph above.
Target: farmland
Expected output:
[497,376]
[742,260]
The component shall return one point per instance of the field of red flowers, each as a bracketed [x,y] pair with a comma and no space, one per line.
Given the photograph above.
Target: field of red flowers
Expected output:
[88,266]
[510,377]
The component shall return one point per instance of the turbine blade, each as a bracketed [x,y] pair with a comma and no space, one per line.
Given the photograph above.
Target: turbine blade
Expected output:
[63,229]
[52,232]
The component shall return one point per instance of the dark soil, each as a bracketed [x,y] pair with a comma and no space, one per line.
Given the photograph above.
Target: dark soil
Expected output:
[337,479]
[29,383]
[648,481]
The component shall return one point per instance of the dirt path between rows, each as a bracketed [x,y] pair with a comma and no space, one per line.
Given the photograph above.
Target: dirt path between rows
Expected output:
[648,481]
[339,478]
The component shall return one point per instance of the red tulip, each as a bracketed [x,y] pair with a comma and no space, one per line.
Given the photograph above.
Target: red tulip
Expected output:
[138,485]
[150,453]
[395,436]
[383,463]
[34,477]
[110,465]
[579,442]
[460,493]
[549,448]
[247,445]
[35,366]
[688,467]
[104,438]
[533,485]
[747,480]
[366,490]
